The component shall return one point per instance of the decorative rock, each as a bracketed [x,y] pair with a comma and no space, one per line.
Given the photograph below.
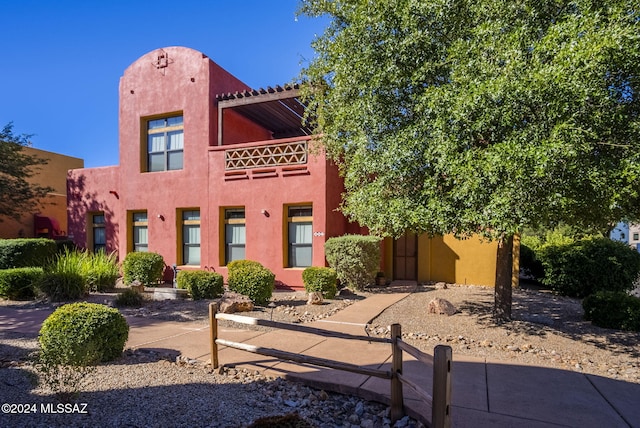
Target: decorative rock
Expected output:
[441,285]
[137,285]
[315,298]
[234,302]
[441,306]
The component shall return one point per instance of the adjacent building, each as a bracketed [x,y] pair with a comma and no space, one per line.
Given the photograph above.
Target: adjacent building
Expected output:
[212,171]
[49,217]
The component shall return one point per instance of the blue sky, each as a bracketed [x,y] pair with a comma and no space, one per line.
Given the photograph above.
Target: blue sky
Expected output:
[61,61]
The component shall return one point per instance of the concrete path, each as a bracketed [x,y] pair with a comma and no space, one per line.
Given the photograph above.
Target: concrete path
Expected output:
[485,393]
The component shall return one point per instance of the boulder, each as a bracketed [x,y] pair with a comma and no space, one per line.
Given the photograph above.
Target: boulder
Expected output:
[441,306]
[234,302]
[315,298]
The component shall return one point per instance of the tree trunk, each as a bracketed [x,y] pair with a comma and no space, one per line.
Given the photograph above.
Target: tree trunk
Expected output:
[504,272]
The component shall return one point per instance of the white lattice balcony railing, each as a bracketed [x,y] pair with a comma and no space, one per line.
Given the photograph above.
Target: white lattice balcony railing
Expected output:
[292,153]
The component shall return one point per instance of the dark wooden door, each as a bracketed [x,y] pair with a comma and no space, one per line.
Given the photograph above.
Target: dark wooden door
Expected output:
[405,257]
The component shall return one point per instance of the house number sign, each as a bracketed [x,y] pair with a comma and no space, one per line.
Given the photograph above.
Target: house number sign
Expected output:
[318,233]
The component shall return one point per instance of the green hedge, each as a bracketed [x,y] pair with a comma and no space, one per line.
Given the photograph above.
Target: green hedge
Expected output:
[252,280]
[201,284]
[83,333]
[19,283]
[148,268]
[613,309]
[322,279]
[355,258]
[589,265]
[28,252]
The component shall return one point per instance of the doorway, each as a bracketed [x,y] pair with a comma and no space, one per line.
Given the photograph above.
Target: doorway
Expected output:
[405,257]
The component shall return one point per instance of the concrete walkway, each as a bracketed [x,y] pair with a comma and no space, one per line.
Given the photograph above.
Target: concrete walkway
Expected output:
[485,393]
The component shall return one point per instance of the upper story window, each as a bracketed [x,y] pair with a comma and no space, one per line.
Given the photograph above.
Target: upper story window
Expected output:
[165,144]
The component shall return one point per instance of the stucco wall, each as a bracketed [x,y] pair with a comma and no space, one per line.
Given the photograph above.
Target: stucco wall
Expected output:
[54,175]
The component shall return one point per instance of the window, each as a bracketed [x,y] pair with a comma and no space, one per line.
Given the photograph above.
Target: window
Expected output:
[300,225]
[99,236]
[165,144]
[635,237]
[234,234]
[191,237]
[140,231]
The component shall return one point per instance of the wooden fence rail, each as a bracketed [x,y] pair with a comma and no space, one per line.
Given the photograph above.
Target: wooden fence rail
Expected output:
[440,401]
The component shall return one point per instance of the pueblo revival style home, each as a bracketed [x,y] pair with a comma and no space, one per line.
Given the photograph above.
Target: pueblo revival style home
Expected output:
[49,218]
[212,171]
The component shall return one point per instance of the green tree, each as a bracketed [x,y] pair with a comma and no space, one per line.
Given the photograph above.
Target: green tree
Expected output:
[482,116]
[17,194]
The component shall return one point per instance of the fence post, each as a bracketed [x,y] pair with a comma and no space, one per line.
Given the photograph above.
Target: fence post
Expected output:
[397,400]
[441,404]
[213,328]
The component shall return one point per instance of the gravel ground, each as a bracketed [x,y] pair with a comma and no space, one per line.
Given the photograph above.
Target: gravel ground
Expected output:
[148,389]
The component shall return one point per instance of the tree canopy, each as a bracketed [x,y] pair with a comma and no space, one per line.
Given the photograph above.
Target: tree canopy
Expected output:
[17,194]
[481,116]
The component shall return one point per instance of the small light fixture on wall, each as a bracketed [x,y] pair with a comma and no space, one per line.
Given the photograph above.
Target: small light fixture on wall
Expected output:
[161,217]
[265,213]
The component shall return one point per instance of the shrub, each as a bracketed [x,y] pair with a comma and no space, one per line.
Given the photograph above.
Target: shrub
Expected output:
[355,259]
[147,268]
[19,283]
[201,284]
[238,264]
[59,286]
[322,279]
[16,253]
[100,270]
[252,280]
[83,333]
[589,265]
[129,297]
[613,309]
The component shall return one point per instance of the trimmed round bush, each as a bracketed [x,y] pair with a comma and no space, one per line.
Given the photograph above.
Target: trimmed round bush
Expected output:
[147,268]
[19,283]
[83,333]
[59,286]
[589,265]
[201,284]
[252,280]
[26,252]
[355,258]
[322,279]
[613,309]
[237,264]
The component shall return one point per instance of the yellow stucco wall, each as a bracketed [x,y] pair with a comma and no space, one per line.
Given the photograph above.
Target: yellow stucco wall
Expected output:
[53,174]
[444,258]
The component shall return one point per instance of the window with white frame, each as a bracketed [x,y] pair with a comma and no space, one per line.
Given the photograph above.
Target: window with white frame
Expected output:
[234,234]
[165,144]
[300,231]
[191,237]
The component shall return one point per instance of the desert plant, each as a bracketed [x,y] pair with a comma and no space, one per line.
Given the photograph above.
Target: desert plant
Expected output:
[589,265]
[28,252]
[129,297]
[74,338]
[100,270]
[237,264]
[322,279]
[201,284]
[355,258]
[83,332]
[58,286]
[147,268]
[252,280]
[613,309]
[19,283]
